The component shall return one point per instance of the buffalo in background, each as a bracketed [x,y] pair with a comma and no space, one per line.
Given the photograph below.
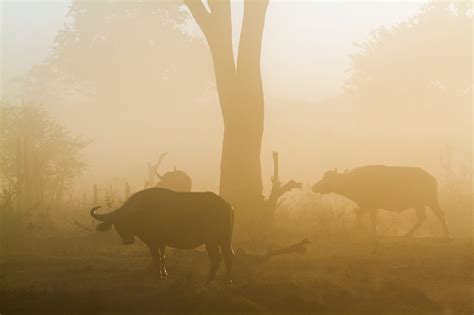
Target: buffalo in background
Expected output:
[386,187]
[175,180]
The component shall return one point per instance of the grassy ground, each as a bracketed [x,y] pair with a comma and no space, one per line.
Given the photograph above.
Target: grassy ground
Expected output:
[94,274]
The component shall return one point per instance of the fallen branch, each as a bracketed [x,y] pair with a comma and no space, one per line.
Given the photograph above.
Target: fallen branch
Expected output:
[297,248]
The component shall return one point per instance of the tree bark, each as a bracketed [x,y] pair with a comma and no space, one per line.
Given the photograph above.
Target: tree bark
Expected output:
[240,91]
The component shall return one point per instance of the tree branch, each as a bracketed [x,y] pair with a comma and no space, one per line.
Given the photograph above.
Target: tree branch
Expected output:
[157,165]
[298,248]
[216,24]
[276,167]
[199,13]
[290,186]
[277,189]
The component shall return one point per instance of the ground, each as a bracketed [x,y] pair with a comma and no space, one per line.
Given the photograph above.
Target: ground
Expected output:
[418,276]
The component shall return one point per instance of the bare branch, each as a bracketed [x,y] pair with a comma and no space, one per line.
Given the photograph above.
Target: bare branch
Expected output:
[160,159]
[218,21]
[155,167]
[158,175]
[276,173]
[290,186]
[298,248]
[275,179]
[277,189]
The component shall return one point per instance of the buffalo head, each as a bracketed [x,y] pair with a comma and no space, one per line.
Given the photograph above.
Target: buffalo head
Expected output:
[328,183]
[120,224]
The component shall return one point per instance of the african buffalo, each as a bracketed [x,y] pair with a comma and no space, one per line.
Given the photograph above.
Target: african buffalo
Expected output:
[175,180]
[184,220]
[386,187]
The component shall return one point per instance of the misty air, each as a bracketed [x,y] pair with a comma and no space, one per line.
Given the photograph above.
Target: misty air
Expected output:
[221,156]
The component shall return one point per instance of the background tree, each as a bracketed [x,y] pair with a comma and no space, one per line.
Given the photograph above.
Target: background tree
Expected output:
[413,72]
[40,158]
[121,53]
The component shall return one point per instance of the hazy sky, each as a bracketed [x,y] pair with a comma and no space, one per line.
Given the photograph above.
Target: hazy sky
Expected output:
[305,59]
[317,32]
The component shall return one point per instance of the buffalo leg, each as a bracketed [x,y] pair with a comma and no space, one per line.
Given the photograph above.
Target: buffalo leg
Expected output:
[163,272]
[215,259]
[228,255]
[439,213]
[373,221]
[155,254]
[420,218]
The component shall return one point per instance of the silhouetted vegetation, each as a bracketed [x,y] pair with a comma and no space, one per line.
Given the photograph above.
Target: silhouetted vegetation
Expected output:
[40,159]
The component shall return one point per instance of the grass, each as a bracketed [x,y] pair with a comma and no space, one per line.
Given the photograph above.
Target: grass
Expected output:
[67,268]
[95,275]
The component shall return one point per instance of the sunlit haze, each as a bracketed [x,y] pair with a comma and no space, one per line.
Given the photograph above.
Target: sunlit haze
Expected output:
[305,60]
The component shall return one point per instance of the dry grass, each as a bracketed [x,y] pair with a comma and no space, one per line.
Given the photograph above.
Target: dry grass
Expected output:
[94,274]
[72,269]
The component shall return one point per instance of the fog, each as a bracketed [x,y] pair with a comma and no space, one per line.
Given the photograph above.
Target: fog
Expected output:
[308,117]
[321,150]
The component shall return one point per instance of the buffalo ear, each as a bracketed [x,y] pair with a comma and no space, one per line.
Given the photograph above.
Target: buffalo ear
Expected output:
[104,226]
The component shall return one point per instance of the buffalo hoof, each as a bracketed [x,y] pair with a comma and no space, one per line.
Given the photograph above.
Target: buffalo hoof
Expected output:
[163,277]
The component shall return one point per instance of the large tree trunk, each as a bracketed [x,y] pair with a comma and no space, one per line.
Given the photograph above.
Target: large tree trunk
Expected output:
[241,180]
[241,98]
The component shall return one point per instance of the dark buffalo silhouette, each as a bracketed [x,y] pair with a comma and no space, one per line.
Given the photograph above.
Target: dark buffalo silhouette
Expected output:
[386,187]
[184,220]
